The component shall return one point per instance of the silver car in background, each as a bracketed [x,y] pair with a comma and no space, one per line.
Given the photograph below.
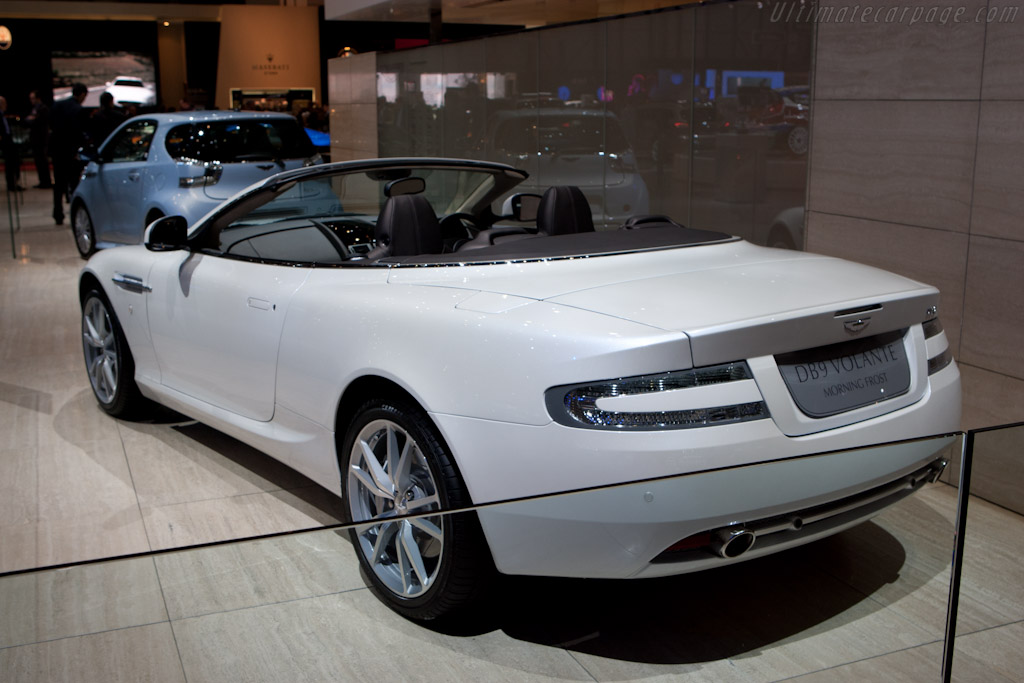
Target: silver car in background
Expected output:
[586,148]
[180,164]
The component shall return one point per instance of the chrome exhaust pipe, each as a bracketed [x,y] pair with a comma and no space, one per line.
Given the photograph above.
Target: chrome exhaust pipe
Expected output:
[732,541]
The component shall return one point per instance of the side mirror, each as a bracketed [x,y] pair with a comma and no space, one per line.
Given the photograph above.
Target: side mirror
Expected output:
[169,233]
[521,207]
[89,153]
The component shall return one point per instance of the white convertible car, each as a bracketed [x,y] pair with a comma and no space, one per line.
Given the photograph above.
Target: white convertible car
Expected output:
[426,340]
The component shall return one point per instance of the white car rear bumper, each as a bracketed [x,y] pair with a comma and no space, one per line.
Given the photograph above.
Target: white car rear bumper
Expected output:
[712,477]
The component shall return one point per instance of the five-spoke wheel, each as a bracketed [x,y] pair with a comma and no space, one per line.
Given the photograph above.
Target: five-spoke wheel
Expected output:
[399,482]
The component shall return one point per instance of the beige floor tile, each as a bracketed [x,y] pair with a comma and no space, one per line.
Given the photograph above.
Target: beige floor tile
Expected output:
[87,507]
[192,462]
[993,575]
[907,666]
[352,637]
[18,500]
[901,559]
[256,573]
[80,600]
[17,546]
[85,478]
[206,521]
[79,419]
[142,654]
[21,425]
[117,533]
[1000,648]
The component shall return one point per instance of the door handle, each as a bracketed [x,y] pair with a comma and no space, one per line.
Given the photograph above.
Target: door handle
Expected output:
[133,177]
[131,283]
[261,304]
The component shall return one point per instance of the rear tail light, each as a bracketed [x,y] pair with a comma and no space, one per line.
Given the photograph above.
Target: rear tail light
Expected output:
[577,405]
[212,172]
[933,328]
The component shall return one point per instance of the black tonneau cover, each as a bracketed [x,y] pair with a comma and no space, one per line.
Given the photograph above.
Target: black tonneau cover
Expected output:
[650,237]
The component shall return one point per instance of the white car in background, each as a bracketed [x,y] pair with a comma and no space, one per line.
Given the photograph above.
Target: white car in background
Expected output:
[179,164]
[128,90]
[416,353]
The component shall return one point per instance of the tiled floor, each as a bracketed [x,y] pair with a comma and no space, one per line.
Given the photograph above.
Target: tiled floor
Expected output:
[75,485]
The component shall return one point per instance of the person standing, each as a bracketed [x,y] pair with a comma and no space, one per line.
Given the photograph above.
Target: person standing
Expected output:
[105,120]
[39,137]
[67,136]
[12,159]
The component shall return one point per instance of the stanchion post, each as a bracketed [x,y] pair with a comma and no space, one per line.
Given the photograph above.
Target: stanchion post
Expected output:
[963,496]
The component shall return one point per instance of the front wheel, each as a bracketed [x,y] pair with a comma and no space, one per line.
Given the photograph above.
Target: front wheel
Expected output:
[396,472]
[108,361]
[81,226]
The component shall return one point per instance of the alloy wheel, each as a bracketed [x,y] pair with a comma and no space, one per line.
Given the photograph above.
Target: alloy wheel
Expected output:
[82,225]
[100,343]
[388,480]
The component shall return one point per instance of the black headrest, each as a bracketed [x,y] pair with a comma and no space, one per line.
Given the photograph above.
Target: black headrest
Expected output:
[408,227]
[564,210]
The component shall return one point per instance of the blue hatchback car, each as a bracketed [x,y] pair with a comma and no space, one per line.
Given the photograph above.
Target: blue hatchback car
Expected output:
[182,164]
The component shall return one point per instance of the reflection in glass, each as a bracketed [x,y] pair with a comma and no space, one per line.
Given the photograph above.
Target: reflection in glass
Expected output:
[751,80]
[675,113]
[987,609]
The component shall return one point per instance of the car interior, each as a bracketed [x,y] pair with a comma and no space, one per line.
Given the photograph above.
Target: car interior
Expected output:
[434,217]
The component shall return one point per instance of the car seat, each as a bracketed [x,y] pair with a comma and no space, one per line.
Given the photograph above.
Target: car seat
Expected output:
[407,226]
[564,210]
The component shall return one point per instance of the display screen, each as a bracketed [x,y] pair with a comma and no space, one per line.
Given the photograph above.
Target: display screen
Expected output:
[129,76]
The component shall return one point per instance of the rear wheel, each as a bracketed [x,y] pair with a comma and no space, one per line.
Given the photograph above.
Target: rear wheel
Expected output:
[81,226]
[396,471]
[108,361]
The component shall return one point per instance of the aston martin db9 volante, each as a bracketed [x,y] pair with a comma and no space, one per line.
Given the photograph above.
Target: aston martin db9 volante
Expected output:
[422,338]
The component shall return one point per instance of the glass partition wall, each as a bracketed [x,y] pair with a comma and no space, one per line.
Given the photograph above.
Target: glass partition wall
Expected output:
[868,602]
[699,113]
[986,615]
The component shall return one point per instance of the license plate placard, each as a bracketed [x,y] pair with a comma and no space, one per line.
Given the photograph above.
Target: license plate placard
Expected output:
[834,379]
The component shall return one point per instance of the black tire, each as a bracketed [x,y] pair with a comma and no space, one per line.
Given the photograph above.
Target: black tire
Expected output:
[153,215]
[458,566]
[799,140]
[83,231]
[108,360]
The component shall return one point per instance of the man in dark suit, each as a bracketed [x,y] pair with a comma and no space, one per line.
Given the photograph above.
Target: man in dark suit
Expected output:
[39,137]
[67,123]
[12,158]
[105,120]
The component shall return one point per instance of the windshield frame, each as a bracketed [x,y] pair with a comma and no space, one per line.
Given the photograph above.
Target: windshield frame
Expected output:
[207,230]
